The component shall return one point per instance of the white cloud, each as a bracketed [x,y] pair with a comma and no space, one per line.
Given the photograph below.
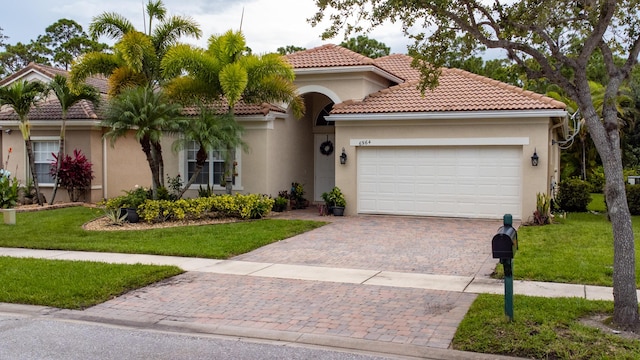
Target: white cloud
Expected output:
[267,24]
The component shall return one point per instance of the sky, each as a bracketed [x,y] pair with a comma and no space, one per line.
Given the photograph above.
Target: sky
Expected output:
[267,24]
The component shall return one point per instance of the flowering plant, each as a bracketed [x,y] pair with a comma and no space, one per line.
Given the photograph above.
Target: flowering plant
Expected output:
[8,187]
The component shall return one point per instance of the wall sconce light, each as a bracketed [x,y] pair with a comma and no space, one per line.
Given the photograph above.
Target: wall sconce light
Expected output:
[534,158]
[343,157]
[8,131]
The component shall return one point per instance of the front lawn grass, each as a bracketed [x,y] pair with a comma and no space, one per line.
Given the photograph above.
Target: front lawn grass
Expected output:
[61,229]
[578,249]
[542,329]
[72,284]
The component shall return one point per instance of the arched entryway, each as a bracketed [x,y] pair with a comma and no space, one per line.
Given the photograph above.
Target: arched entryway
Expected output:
[325,152]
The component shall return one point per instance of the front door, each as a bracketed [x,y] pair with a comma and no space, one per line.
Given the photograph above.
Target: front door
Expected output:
[325,166]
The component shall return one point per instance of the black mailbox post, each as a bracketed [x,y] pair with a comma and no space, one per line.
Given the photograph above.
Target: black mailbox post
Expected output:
[504,243]
[503,246]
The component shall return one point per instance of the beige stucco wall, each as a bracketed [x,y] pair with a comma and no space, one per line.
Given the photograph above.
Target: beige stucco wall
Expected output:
[536,130]
[346,86]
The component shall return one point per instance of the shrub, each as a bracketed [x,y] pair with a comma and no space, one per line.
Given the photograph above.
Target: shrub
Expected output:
[132,199]
[573,195]
[280,204]
[8,190]
[334,198]
[251,206]
[633,199]
[75,173]
[542,215]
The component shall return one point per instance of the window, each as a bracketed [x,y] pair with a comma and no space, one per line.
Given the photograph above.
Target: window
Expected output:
[42,151]
[213,171]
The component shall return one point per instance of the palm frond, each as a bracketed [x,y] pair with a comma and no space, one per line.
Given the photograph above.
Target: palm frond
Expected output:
[111,25]
[93,63]
[168,32]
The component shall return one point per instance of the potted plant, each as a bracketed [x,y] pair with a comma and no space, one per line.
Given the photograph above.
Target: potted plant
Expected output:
[335,201]
[128,204]
[297,196]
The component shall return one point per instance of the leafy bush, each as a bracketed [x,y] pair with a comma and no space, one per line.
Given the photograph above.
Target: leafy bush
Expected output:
[132,199]
[251,206]
[334,198]
[280,204]
[8,190]
[633,199]
[297,196]
[75,173]
[574,195]
[596,179]
[542,215]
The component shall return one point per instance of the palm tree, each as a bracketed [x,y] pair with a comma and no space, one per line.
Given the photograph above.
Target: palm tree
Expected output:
[150,115]
[137,55]
[210,131]
[21,96]
[226,72]
[67,98]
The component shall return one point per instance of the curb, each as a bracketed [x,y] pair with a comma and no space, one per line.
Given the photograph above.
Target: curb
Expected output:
[285,337]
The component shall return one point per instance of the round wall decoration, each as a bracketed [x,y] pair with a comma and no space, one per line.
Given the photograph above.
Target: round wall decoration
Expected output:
[326,148]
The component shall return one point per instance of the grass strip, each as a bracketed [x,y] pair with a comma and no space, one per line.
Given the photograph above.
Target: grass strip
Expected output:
[72,284]
[61,229]
[543,328]
[578,249]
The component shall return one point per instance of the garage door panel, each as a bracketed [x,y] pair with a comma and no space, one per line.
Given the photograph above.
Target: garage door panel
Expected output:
[481,182]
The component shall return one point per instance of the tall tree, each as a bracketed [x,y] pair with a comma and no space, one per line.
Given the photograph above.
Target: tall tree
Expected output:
[225,73]
[137,55]
[66,40]
[136,58]
[289,49]
[548,39]
[16,57]
[365,46]
[150,115]
[67,98]
[3,37]
[211,131]
[21,96]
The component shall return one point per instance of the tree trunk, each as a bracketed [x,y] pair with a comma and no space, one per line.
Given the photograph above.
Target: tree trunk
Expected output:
[59,162]
[160,161]
[32,168]
[149,152]
[607,140]
[201,158]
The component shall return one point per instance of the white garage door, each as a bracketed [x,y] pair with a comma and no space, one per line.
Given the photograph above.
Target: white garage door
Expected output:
[467,181]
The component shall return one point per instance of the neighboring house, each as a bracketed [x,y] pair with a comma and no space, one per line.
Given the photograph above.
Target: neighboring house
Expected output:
[462,150]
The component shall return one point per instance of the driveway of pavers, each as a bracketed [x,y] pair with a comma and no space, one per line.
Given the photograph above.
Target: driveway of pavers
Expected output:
[442,246]
[234,304]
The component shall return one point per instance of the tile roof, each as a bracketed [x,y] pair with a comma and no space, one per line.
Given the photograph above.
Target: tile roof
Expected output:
[398,65]
[50,109]
[458,90]
[328,55]
[242,109]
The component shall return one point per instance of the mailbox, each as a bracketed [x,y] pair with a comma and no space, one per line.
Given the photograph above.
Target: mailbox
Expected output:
[505,243]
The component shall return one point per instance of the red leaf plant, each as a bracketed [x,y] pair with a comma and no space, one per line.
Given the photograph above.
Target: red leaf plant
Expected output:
[75,173]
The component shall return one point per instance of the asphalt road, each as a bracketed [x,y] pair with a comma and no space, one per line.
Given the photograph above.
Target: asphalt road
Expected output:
[37,338]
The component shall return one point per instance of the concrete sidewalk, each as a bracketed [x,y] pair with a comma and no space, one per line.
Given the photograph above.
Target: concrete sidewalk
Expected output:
[462,284]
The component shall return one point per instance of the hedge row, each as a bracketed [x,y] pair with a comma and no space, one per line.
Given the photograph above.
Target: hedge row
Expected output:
[252,206]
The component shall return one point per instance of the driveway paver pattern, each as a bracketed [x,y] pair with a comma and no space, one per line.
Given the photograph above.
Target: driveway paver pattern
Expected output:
[387,314]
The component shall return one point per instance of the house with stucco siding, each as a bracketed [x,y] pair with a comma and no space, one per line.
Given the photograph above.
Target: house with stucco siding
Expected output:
[462,150]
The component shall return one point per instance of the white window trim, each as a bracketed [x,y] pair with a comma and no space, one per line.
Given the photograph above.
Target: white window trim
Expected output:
[41,139]
[184,171]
